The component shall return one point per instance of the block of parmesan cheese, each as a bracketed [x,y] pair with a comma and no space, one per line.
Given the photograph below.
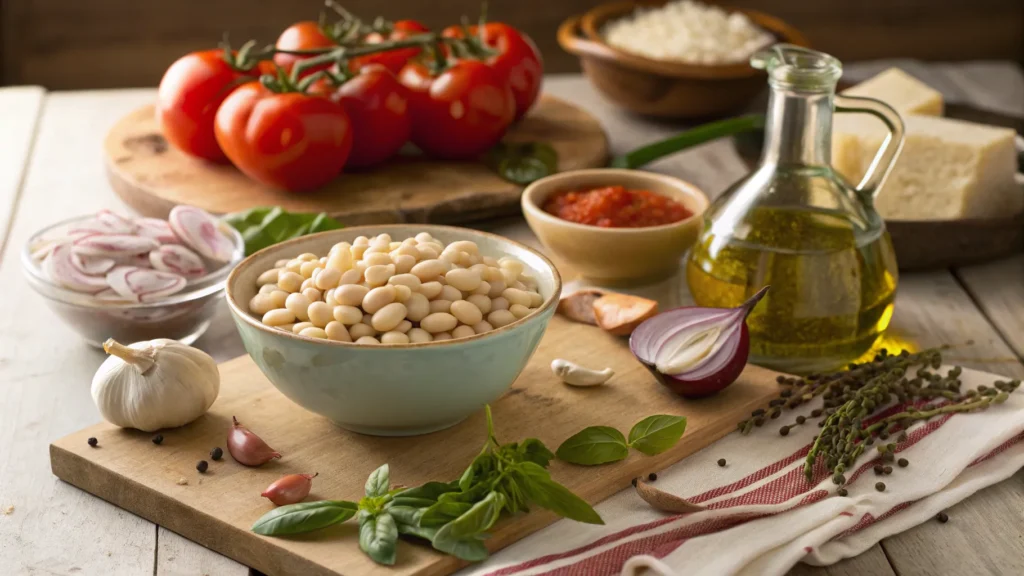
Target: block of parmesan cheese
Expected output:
[948,168]
[906,94]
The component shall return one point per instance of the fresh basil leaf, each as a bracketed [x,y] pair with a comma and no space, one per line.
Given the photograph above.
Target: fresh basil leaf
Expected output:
[378,536]
[593,446]
[523,162]
[536,482]
[405,514]
[481,466]
[470,549]
[515,498]
[267,225]
[277,223]
[323,223]
[428,491]
[533,450]
[412,502]
[655,434]
[417,531]
[472,523]
[378,482]
[304,517]
[256,239]
[443,512]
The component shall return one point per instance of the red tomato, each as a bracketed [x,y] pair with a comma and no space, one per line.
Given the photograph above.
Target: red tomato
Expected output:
[393,60]
[292,141]
[190,92]
[460,113]
[518,60]
[378,107]
[305,35]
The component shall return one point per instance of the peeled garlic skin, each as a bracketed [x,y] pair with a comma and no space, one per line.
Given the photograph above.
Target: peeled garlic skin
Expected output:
[712,383]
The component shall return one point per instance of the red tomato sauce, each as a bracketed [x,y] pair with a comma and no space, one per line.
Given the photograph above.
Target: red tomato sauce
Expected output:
[615,207]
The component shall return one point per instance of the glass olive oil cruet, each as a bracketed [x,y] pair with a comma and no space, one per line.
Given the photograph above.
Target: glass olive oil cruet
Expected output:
[795,224]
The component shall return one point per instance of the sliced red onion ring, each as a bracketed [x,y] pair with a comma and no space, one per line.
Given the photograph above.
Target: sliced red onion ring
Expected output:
[111,295]
[199,231]
[113,245]
[144,284]
[116,223]
[59,269]
[696,351]
[92,265]
[156,229]
[177,259]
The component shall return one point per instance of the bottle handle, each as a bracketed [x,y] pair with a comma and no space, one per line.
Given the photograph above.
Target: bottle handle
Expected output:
[887,153]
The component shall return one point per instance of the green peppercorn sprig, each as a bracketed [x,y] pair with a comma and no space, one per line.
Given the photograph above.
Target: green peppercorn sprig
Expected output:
[853,398]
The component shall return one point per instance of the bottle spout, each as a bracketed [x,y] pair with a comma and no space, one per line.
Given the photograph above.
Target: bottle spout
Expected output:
[797,68]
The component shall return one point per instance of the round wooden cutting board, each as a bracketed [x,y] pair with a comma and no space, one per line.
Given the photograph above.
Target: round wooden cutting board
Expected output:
[152,177]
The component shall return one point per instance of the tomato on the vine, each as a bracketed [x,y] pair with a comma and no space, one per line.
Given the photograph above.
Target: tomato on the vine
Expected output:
[187,100]
[378,107]
[393,60]
[305,35]
[460,112]
[517,59]
[288,140]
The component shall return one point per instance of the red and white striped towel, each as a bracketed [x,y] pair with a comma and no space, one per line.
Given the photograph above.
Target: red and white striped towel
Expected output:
[763,516]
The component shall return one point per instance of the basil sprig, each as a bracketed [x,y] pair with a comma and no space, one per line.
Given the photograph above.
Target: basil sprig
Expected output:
[453,516]
[268,225]
[603,444]
[522,162]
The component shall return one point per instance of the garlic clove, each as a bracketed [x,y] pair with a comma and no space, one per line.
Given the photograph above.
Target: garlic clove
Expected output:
[575,375]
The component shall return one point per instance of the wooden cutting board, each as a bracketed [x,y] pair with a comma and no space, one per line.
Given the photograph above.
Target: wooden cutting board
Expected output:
[152,177]
[217,508]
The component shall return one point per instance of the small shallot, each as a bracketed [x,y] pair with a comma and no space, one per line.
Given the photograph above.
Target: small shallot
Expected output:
[247,448]
[696,351]
[290,489]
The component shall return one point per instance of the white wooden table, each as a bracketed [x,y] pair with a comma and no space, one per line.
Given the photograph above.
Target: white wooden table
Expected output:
[51,168]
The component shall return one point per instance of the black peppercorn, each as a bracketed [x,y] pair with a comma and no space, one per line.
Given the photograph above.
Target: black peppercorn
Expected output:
[652,477]
[216,453]
[842,492]
[721,462]
[903,462]
[879,469]
[880,486]
[202,465]
[93,441]
[942,517]
[784,431]
[801,419]
[887,469]
[158,439]
[633,482]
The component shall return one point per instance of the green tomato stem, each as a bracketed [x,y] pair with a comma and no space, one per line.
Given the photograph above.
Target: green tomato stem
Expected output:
[692,137]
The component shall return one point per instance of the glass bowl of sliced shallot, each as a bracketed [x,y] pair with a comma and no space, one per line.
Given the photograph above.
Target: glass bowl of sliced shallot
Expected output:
[133,278]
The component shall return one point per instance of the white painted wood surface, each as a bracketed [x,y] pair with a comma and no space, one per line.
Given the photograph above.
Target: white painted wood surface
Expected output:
[45,370]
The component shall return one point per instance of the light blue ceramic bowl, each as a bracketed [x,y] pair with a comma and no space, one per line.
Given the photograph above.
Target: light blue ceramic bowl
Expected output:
[400,389]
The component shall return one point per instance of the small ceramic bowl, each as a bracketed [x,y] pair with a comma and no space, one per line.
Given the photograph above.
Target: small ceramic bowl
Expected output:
[397,389]
[616,256]
[663,88]
[182,316]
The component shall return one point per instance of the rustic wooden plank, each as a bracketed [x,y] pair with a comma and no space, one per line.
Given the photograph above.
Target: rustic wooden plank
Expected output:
[998,289]
[19,112]
[179,556]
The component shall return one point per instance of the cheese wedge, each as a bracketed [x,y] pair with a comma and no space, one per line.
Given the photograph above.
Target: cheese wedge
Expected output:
[948,168]
[906,94]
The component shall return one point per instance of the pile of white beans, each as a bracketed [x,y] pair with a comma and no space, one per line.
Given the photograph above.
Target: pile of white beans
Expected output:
[381,291]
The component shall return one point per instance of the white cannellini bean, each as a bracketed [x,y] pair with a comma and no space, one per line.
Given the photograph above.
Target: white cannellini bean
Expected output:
[293,265]
[312,293]
[466,312]
[517,296]
[388,317]
[483,289]
[500,318]
[518,285]
[278,317]
[427,252]
[328,278]
[464,246]
[279,297]
[350,294]
[442,336]
[482,326]
[268,277]
[323,260]
[462,332]
[382,239]
[417,307]
[429,269]
[377,259]
[352,276]
[431,289]
[450,293]
[394,337]
[320,314]
[497,287]
[536,299]
[439,322]
[307,283]
[306,257]
[268,288]
[340,258]
[361,241]
[281,263]
[261,304]
[297,304]
[490,261]
[492,274]
[378,298]
[483,303]
[508,263]
[314,332]
[378,275]
[463,279]
[299,327]
[417,335]
[337,331]
[518,310]
[402,292]
[289,282]
[404,263]
[307,268]
[329,298]
[347,315]
[424,237]
[410,280]
[509,276]
[406,250]
[440,305]
[499,303]
[368,319]
[357,331]
[367,340]
[358,250]
[403,326]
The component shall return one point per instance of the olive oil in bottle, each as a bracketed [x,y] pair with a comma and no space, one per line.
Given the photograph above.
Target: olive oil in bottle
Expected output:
[827,304]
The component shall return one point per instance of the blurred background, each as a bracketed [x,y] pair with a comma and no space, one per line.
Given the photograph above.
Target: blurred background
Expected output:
[62,44]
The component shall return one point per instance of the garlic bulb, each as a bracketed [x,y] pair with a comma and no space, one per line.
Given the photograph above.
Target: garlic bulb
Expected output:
[154,384]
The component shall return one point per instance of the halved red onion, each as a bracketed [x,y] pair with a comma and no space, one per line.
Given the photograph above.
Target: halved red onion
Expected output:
[113,245]
[199,231]
[696,351]
[177,259]
[143,284]
[92,265]
[156,229]
[58,268]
